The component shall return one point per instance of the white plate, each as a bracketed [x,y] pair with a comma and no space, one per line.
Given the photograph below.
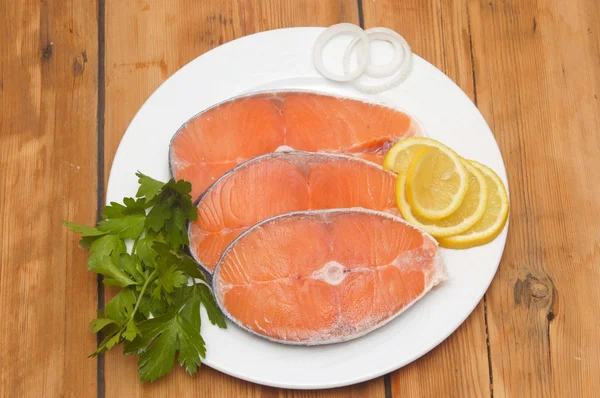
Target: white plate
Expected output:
[281,59]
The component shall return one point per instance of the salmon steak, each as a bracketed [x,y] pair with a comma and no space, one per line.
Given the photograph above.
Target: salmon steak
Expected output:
[283,182]
[325,276]
[219,138]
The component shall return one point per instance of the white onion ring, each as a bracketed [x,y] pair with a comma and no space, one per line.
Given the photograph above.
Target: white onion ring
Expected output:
[401,74]
[383,34]
[329,34]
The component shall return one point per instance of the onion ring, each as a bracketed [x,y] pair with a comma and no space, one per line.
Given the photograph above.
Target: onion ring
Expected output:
[401,74]
[385,34]
[329,34]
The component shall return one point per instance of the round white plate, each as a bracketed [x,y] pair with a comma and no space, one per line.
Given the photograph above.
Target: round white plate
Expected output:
[281,59]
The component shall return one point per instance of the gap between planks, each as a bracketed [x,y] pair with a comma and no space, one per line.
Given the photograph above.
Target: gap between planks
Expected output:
[485,317]
[100,385]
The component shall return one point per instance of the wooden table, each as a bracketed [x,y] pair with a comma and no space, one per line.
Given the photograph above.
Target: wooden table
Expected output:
[74,73]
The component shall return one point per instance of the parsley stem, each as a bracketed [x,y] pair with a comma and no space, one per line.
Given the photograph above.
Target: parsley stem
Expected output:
[135,242]
[139,300]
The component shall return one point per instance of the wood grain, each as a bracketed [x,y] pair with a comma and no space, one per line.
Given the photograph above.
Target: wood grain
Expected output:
[439,32]
[48,169]
[538,83]
[533,68]
[147,41]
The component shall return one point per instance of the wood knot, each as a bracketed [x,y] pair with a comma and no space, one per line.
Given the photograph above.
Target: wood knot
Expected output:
[79,65]
[532,289]
[47,52]
[538,290]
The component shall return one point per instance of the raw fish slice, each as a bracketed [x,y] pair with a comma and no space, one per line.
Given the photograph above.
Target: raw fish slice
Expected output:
[326,276]
[218,139]
[279,183]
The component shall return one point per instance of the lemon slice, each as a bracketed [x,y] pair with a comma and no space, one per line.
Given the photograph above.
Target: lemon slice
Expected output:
[436,182]
[469,212]
[402,153]
[493,220]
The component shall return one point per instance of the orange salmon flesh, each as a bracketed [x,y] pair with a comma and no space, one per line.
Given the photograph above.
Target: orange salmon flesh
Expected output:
[325,276]
[218,139]
[281,183]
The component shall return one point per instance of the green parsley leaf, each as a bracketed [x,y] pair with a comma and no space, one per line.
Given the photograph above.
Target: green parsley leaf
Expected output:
[189,298]
[176,228]
[150,305]
[84,230]
[149,187]
[212,309]
[168,279]
[160,213]
[107,245]
[113,275]
[100,323]
[191,346]
[145,252]
[158,360]
[150,329]
[114,210]
[109,342]
[182,187]
[131,206]
[181,260]
[190,267]
[131,264]
[161,338]
[131,331]
[129,226]
[120,307]
[88,234]
[86,241]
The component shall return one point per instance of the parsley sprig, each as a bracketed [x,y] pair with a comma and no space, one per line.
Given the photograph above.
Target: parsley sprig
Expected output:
[156,313]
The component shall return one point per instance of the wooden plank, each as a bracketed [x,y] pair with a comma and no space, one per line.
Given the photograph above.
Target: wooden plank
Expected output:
[538,84]
[146,42]
[48,169]
[439,32]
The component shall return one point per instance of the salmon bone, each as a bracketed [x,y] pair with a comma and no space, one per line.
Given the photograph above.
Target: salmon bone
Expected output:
[332,272]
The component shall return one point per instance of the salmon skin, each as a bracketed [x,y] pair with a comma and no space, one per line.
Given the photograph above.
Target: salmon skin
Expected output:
[325,276]
[284,182]
[219,138]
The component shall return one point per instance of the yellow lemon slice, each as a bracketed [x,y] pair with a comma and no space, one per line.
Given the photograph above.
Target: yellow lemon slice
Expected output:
[436,182]
[493,220]
[467,214]
[402,153]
